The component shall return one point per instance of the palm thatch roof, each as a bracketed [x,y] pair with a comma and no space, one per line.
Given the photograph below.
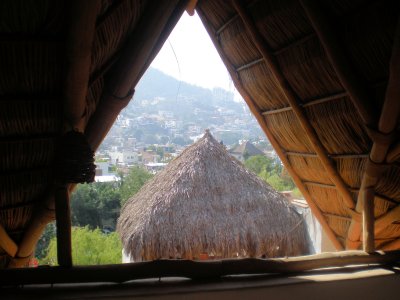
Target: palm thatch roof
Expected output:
[64,65]
[206,201]
[246,148]
[322,79]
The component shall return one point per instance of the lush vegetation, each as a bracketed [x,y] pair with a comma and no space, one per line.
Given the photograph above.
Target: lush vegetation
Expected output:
[272,171]
[89,247]
[94,211]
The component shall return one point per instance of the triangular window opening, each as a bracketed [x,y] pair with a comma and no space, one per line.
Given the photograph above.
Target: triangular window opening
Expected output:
[185,91]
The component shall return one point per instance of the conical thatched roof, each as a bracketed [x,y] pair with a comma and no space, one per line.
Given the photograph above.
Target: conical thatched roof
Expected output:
[206,201]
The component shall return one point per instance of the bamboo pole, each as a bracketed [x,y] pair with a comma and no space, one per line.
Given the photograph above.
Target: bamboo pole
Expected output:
[298,111]
[387,124]
[194,269]
[262,121]
[79,43]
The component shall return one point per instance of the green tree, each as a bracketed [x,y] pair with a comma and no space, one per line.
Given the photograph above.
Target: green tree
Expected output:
[42,245]
[96,205]
[132,182]
[89,247]
[259,163]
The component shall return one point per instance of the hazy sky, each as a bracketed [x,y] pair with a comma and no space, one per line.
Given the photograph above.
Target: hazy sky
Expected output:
[199,61]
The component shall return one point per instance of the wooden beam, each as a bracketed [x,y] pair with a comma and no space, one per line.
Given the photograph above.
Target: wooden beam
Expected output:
[386,126]
[263,124]
[195,269]
[191,7]
[340,60]
[6,243]
[78,51]
[293,101]
[368,221]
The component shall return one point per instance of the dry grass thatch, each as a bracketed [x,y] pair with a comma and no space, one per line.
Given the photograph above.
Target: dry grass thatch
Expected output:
[297,55]
[206,201]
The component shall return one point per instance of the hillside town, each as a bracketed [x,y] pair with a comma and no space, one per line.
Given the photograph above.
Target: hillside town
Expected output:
[156,127]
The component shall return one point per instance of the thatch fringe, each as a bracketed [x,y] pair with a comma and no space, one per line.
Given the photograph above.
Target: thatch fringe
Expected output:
[314,77]
[288,131]
[339,116]
[280,22]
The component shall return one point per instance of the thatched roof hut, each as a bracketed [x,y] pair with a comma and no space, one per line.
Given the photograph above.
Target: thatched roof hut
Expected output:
[205,201]
[321,77]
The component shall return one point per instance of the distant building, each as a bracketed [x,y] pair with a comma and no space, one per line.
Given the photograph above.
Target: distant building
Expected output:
[124,157]
[155,167]
[245,150]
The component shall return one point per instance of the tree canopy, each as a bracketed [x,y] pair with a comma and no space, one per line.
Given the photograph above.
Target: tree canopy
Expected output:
[271,171]
[132,182]
[89,247]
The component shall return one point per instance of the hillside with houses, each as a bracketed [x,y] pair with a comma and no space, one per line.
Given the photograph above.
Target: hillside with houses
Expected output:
[166,115]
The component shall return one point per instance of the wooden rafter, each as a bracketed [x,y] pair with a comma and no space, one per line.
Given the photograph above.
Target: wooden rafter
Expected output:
[293,101]
[6,243]
[262,121]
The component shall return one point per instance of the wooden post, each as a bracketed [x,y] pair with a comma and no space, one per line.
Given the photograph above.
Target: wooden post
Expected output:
[368,220]
[63,219]
[262,121]
[6,243]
